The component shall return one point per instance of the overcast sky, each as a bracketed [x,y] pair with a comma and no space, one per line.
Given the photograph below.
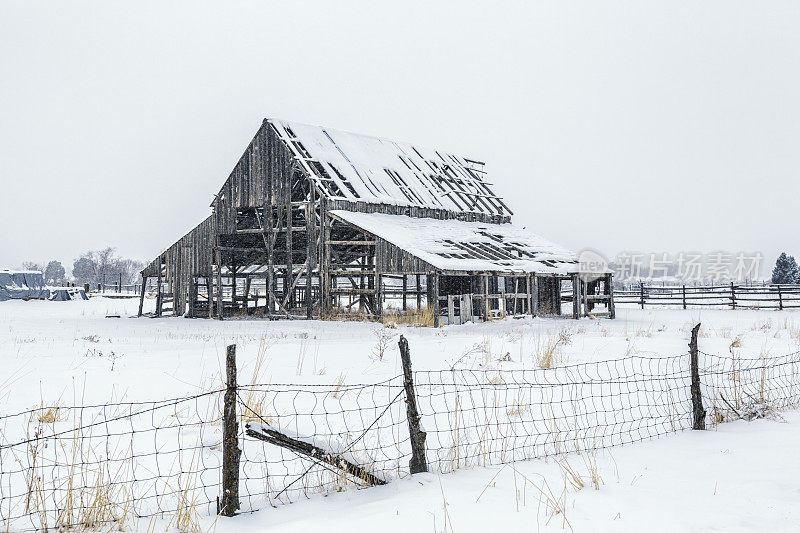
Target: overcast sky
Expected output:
[651,126]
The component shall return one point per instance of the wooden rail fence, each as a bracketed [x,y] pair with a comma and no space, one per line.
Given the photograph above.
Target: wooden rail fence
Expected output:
[734,296]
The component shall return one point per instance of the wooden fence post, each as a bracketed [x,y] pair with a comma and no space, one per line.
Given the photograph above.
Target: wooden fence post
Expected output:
[684,296]
[641,293]
[733,296]
[698,413]
[141,296]
[230,441]
[418,462]
[780,299]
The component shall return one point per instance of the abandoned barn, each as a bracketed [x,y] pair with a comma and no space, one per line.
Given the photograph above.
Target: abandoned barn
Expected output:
[315,223]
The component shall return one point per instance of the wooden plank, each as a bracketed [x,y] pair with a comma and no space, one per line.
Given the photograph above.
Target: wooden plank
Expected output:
[351,243]
[273,436]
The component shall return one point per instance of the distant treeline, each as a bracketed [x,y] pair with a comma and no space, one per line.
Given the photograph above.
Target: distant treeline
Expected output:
[94,267]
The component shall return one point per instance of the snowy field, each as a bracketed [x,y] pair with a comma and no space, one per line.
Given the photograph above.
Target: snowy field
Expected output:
[738,475]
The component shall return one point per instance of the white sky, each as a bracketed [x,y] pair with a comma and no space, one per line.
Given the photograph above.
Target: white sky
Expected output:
[652,126]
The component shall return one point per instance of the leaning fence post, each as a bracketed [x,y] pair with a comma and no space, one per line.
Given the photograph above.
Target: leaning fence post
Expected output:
[417,436]
[230,441]
[698,413]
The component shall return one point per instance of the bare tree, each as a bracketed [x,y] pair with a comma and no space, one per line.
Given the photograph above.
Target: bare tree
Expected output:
[31,265]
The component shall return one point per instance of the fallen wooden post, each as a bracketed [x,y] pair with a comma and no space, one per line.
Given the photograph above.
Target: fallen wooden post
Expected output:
[273,436]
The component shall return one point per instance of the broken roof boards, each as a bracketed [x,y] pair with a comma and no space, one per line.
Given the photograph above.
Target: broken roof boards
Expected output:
[456,246]
[374,170]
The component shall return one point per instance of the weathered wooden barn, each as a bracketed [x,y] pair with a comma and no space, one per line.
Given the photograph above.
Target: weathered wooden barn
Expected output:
[315,222]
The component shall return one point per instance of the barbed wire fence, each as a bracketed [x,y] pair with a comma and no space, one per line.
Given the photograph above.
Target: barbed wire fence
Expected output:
[82,466]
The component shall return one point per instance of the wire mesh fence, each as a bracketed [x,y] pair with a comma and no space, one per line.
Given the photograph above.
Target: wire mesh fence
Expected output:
[491,417]
[364,424]
[76,466]
[62,466]
[733,384]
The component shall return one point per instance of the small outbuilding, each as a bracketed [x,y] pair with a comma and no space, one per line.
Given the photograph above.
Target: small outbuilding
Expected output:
[22,285]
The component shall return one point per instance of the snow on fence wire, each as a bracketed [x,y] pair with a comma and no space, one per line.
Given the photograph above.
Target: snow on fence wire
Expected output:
[88,465]
[732,296]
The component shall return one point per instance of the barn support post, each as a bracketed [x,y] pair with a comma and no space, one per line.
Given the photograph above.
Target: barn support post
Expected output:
[576,297]
[270,242]
[141,295]
[417,436]
[486,307]
[405,292]
[288,288]
[309,254]
[419,292]
[233,286]
[230,441]
[534,295]
[325,280]
[159,294]
[451,309]
[502,302]
[219,284]
[585,288]
[246,296]
[210,293]
[378,295]
[193,281]
[609,288]
[435,293]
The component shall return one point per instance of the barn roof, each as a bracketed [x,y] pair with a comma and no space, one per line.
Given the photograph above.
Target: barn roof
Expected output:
[374,170]
[454,245]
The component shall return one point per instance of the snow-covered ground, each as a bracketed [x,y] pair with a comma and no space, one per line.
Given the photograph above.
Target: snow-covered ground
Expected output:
[737,475]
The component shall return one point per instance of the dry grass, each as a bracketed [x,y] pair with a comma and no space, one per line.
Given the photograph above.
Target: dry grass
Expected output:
[85,498]
[338,313]
[337,391]
[49,415]
[186,519]
[546,351]
[255,402]
[384,339]
[410,317]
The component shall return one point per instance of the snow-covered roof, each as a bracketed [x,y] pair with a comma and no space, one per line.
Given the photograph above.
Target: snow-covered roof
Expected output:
[371,169]
[22,284]
[455,245]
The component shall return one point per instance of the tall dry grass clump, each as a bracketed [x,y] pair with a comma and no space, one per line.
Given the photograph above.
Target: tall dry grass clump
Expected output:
[410,317]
